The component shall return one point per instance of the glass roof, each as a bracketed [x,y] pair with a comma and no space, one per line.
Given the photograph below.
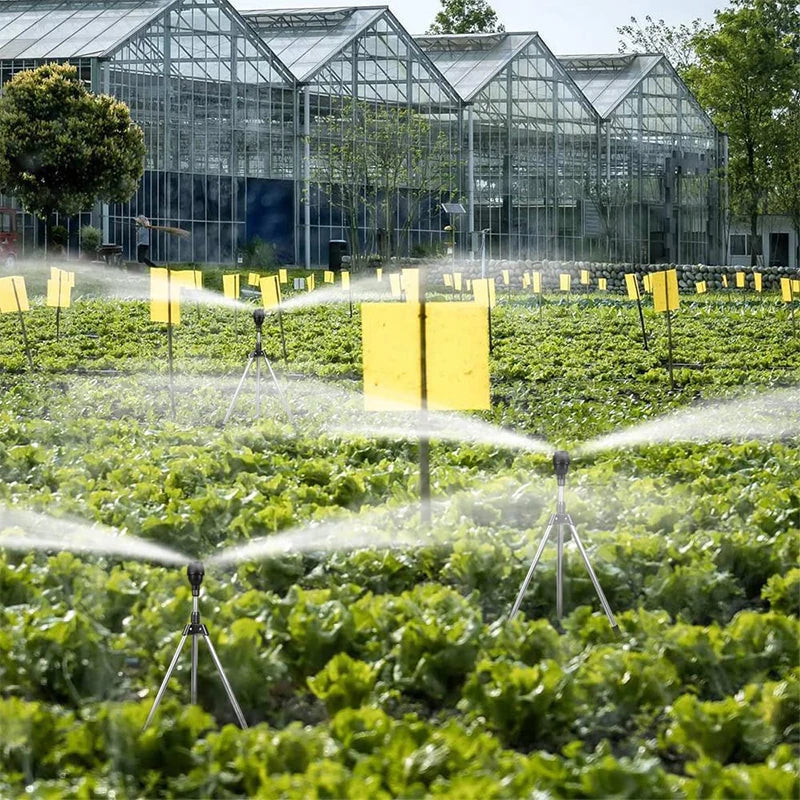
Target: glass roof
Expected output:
[607,79]
[70,28]
[306,39]
[469,61]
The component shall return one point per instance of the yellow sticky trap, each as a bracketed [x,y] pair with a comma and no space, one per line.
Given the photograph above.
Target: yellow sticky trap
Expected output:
[665,290]
[379,273]
[786,290]
[458,281]
[536,278]
[186,277]
[448,279]
[270,291]
[725,281]
[469,284]
[584,277]
[526,280]
[13,295]
[506,278]
[394,285]
[328,276]
[253,279]
[457,356]
[230,286]
[740,280]
[283,275]
[632,286]
[483,290]
[757,281]
[648,283]
[796,286]
[602,284]
[165,303]
[311,282]
[410,284]
[564,281]
[59,291]
[345,279]
[700,287]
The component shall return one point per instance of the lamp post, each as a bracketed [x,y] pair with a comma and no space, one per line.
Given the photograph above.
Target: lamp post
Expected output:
[451,230]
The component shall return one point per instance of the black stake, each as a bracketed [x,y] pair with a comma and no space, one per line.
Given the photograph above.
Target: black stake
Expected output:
[169,346]
[424,444]
[489,309]
[283,336]
[58,309]
[641,313]
[22,325]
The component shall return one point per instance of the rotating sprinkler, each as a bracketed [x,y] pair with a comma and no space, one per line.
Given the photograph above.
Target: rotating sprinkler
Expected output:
[561,520]
[195,573]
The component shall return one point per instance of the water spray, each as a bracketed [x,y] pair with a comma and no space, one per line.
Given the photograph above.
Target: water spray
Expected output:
[195,573]
[259,315]
[561,519]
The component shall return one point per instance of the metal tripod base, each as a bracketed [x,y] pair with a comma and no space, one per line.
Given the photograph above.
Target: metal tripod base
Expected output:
[255,357]
[562,520]
[196,629]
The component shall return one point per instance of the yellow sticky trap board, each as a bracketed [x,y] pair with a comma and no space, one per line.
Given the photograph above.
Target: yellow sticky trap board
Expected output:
[584,277]
[448,279]
[469,284]
[163,290]
[483,290]
[410,284]
[230,286]
[345,279]
[795,286]
[270,291]
[757,281]
[394,284]
[13,296]
[700,287]
[665,290]
[457,356]
[457,281]
[253,279]
[536,277]
[564,281]
[379,273]
[602,284]
[328,276]
[786,290]
[59,291]
[190,278]
[506,278]
[526,280]
[632,285]
[648,283]
[725,281]
[740,280]
[311,282]
[283,275]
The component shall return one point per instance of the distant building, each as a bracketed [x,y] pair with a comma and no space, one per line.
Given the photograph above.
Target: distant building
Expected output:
[777,244]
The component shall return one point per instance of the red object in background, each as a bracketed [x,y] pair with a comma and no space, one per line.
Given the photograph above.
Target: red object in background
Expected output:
[8,237]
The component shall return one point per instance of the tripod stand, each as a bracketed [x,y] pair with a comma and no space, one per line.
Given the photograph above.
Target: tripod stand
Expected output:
[562,520]
[258,317]
[194,629]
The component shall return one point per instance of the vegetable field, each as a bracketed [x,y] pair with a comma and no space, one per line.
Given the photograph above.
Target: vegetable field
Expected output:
[373,672]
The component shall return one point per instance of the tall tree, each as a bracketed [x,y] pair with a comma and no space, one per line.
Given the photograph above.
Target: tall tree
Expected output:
[62,148]
[786,176]
[748,66]
[465,16]
[655,36]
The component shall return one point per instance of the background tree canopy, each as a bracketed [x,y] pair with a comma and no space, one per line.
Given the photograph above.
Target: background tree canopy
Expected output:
[63,148]
[465,16]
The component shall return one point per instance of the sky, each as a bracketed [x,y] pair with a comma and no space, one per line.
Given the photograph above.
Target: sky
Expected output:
[567,26]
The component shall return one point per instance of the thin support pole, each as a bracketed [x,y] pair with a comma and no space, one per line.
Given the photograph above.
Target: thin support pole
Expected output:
[283,337]
[560,572]
[170,365]
[669,349]
[258,382]
[281,395]
[539,551]
[163,687]
[225,683]
[595,582]
[22,325]
[641,318]
[794,326]
[490,327]
[58,322]
[424,444]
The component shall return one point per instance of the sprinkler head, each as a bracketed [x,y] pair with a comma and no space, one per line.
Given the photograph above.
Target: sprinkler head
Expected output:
[195,572]
[258,317]
[561,465]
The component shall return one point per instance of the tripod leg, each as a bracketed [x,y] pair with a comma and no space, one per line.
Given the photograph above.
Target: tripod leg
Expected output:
[236,710]
[194,671]
[163,687]
[595,582]
[281,395]
[539,551]
[258,387]
[238,389]
[560,573]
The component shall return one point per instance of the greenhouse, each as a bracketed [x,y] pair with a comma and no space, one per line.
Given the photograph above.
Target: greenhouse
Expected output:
[299,127]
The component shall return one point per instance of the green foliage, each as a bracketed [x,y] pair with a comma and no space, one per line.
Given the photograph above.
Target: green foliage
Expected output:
[343,683]
[62,148]
[656,36]
[59,235]
[783,592]
[465,16]
[91,239]
[258,254]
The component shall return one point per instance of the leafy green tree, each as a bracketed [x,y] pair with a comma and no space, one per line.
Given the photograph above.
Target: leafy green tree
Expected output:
[62,148]
[786,190]
[655,36]
[465,16]
[748,66]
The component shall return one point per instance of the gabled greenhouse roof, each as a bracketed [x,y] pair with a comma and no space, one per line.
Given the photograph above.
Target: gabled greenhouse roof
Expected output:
[606,80]
[68,29]
[306,39]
